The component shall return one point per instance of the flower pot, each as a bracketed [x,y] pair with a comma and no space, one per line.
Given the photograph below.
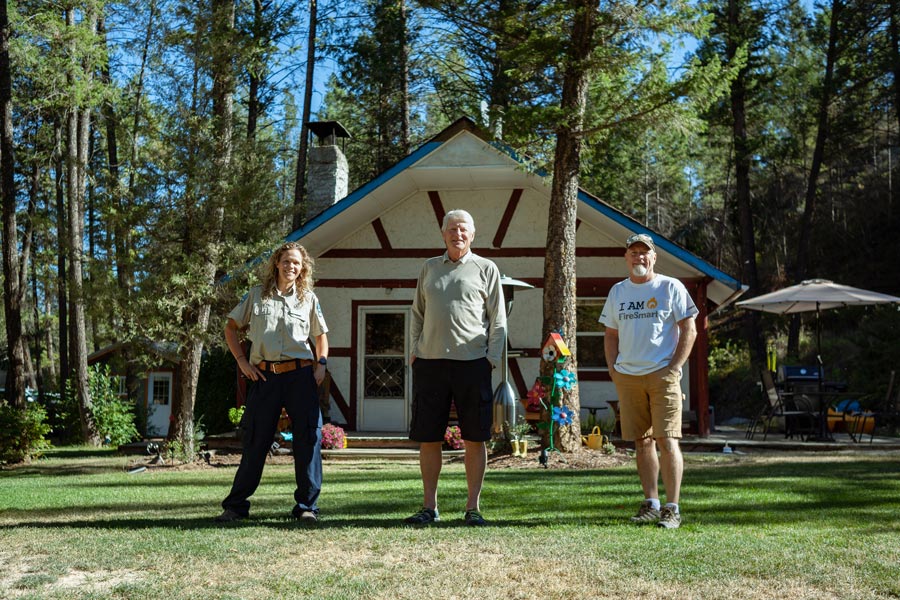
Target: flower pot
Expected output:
[523,447]
[515,447]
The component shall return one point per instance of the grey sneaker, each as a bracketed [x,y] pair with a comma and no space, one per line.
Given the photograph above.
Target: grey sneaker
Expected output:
[646,514]
[425,516]
[668,518]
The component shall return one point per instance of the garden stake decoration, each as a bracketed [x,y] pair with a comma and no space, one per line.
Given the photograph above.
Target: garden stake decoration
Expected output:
[555,352]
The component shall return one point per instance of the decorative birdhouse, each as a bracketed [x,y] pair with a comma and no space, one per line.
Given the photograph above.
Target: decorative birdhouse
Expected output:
[555,349]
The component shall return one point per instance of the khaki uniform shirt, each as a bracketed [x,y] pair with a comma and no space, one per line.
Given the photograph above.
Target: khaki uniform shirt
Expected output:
[459,312]
[280,326]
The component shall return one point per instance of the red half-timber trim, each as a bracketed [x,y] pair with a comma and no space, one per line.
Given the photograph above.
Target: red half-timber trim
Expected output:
[366,283]
[586,287]
[438,207]
[516,373]
[381,234]
[507,217]
[485,252]
[341,402]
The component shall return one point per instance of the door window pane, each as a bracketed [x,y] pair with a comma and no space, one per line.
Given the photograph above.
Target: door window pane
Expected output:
[161,390]
[384,334]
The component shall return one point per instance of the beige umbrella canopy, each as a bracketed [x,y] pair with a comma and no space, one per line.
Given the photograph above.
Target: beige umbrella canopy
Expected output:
[814,295]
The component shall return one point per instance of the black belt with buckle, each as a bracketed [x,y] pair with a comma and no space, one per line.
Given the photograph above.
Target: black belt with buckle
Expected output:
[284,366]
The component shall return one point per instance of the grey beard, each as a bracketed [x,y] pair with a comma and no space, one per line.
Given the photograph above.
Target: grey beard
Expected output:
[639,270]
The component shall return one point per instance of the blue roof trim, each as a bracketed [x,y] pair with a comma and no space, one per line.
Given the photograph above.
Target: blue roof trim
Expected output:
[667,245]
[363,191]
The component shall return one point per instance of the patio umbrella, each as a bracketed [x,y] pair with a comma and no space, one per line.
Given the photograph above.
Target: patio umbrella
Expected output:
[815,295]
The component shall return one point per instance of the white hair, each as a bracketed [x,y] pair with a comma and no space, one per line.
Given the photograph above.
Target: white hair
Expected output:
[459,215]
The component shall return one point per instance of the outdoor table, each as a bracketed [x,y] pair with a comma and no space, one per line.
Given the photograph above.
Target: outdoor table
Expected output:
[826,398]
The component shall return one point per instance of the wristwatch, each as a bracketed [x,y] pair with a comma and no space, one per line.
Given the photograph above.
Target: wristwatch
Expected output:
[323,360]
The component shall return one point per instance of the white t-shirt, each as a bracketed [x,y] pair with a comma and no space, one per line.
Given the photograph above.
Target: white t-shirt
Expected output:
[646,316]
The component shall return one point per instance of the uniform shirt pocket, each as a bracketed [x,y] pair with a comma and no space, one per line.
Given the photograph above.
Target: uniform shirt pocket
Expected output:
[297,323]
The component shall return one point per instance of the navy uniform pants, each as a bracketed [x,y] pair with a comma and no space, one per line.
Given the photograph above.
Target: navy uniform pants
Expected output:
[296,392]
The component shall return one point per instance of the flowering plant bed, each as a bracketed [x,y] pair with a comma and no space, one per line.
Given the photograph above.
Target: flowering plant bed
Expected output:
[453,438]
[333,437]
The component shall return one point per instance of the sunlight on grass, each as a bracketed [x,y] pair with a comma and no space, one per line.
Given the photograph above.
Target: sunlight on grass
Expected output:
[80,526]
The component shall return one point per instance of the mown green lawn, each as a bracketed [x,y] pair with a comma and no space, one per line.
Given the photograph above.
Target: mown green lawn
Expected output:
[77,525]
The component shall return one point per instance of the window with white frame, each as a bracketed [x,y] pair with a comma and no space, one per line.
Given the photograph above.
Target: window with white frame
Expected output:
[590,333]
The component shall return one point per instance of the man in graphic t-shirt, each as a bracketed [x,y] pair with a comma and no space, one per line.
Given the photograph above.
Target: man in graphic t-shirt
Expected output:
[650,330]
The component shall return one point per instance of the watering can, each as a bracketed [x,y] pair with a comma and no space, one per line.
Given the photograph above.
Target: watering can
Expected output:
[595,440]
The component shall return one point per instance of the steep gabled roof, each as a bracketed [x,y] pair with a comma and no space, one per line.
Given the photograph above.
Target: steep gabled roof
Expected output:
[463,155]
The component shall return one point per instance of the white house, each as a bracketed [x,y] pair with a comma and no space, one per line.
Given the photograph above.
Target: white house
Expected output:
[369,247]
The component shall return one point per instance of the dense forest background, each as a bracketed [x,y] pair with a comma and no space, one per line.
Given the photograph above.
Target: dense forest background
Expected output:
[151,146]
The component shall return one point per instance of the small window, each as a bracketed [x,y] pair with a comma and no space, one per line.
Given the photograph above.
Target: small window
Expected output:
[162,391]
[122,391]
[590,333]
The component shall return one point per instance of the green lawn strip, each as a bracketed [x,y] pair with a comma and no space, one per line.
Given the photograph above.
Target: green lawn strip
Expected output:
[787,527]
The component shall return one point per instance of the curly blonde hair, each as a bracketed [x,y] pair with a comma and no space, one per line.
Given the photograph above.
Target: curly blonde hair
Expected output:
[270,272]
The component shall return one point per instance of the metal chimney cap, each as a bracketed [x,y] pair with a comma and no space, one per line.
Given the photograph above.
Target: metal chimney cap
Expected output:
[324,129]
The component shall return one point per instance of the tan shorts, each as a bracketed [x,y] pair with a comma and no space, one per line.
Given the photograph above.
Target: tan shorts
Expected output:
[650,405]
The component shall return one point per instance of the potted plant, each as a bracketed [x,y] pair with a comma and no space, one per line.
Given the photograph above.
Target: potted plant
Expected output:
[235,414]
[517,433]
[333,437]
[453,438]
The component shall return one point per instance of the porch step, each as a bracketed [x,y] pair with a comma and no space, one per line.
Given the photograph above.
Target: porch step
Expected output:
[368,439]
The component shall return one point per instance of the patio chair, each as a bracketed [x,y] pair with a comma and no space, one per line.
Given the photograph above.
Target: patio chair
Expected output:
[798,420]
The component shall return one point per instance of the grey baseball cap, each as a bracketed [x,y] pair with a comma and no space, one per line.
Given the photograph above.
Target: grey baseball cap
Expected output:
[641,238]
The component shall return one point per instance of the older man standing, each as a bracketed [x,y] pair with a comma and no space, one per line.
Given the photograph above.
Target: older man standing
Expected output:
[650,330]
[458,332]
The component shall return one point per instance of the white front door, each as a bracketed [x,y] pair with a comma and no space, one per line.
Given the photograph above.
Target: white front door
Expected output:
[159,404]
[383,396]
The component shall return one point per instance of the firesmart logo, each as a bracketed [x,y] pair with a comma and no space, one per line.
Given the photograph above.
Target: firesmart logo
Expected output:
[638,310]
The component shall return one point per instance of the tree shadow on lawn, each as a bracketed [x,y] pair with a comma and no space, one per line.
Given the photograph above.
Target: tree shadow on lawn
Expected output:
[841,494]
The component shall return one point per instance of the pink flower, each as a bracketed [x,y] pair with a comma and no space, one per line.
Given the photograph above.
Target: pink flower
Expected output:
[332,437]
[453,437]
[535,394]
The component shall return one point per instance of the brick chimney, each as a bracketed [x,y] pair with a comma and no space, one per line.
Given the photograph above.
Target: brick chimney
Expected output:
[328,171]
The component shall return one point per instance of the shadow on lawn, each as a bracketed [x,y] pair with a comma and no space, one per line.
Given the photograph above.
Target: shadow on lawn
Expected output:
[842,494]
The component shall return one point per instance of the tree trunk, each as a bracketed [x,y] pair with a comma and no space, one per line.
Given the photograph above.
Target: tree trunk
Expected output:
[13,292]
[62,293]
[300,207]
[560,292]
[500,84]
[77,133]
[894,27]
[253,104]
[31,374]
[749,274]
[812,184]
[404,81]
[197,318]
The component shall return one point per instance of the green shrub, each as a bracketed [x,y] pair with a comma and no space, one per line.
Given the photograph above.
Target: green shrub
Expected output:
[22,432]
[113,415]
[216,390]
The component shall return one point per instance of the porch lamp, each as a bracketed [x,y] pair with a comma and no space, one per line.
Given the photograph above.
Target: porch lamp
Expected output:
[504,397]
